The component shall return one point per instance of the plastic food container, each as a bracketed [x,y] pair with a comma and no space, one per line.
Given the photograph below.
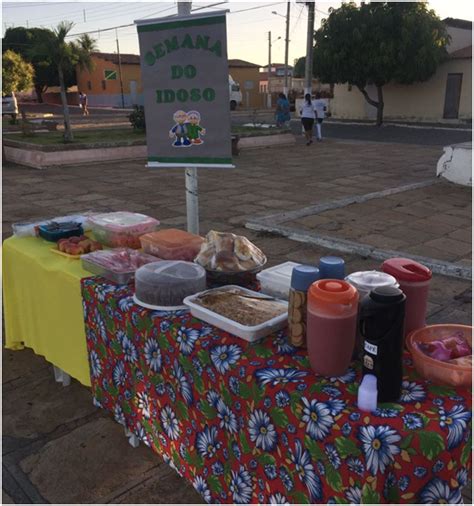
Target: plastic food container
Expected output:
[276,281]
[117,265]
[172,244]
[122,229]
[164,285]
[249,333]
[30,228]
[443,373]
[414,279]
[54,231]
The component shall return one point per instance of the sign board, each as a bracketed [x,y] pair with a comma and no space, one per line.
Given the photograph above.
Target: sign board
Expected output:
[185,80]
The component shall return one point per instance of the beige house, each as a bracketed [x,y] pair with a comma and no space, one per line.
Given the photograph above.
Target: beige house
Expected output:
[446,96]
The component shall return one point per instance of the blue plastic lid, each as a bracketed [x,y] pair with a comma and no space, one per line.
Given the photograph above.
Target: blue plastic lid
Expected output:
[303,276]
[331,260]
[331,267]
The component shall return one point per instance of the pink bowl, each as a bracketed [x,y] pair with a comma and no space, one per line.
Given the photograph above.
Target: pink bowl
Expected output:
[443,373]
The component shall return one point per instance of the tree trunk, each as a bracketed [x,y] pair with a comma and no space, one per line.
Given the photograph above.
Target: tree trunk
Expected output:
[378,105]
[39,93]
[68,137]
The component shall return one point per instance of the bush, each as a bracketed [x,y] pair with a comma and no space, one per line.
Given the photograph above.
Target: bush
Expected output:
[137,118]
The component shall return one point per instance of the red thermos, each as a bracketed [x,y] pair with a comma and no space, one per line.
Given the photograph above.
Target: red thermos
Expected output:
[414,279]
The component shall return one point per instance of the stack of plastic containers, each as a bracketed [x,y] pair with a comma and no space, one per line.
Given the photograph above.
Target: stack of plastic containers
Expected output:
[172,244]
[122,228]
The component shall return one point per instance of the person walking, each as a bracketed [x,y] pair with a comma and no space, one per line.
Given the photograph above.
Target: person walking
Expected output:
[282,110]
[83,103]
[307,118]
[320,109]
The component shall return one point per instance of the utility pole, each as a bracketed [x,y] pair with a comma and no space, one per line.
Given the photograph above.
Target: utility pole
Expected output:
[84,13]
[190,173]
[120,68]
[287,42]
[184,8]
[308,75]
[269,96]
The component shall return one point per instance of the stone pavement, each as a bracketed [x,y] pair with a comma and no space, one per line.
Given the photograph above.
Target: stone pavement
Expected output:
[57,446]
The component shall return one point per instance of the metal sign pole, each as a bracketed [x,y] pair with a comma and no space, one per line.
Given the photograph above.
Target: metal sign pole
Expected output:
[191,174]
[192,199]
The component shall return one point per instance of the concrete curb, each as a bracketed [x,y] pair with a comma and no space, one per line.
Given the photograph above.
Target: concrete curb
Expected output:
[365,250]
[343,202]
[273,223]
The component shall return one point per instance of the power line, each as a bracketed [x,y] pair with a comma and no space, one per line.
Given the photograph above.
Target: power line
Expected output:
[116,27]
[167,9]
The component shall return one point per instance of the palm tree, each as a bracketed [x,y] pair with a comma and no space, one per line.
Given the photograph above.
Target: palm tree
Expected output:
[65,56]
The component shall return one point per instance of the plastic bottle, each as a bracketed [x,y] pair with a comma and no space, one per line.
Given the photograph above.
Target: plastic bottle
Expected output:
[381,324]
[365,282]
[367,393]
[414,279]
[331,325]
[302,277]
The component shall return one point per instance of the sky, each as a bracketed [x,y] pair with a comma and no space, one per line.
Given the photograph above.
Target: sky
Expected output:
[247,30]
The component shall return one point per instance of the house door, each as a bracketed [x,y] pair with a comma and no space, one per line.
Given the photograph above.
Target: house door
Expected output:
[133,92]
[452,97]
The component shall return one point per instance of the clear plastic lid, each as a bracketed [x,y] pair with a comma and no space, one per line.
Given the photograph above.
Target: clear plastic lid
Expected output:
[168,282]
[368,280]
[122,220]
[119,259]
[279,275]
[172,238]
[170,272]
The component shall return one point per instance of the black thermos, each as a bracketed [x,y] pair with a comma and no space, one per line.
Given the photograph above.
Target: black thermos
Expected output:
[382,325]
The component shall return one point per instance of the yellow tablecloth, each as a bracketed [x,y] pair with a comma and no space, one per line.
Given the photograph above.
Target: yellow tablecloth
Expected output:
[43,305]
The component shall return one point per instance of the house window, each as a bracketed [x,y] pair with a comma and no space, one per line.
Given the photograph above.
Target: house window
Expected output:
[103,85]
[110,75]
[89,85]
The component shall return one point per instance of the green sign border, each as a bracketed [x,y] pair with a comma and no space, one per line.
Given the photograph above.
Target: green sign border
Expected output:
[180,24]
[189,160]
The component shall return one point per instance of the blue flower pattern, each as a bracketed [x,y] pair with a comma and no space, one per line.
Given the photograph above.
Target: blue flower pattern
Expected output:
[324,417]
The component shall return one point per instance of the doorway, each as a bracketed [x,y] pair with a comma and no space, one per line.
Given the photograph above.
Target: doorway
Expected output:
[453,96]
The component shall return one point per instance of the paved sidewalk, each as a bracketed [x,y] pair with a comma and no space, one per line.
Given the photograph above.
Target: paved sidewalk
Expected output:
[57,446]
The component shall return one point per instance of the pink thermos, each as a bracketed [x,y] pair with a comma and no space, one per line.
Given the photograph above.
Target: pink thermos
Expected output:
[331,326]
[414,280]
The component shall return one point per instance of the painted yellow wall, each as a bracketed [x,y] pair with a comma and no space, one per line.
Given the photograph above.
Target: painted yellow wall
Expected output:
[417,102]
[242,74]
[129,73]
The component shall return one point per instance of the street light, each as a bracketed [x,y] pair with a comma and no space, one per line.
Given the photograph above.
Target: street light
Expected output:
[287,42]
[269,97]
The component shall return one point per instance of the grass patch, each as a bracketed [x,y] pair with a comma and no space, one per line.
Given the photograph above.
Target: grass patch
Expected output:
[96,136]
[110,135]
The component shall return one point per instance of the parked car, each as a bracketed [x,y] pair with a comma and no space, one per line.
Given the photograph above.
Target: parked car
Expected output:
[10,105]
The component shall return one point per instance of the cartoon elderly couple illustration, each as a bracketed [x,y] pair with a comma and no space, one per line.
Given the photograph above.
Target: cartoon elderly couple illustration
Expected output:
[187,131]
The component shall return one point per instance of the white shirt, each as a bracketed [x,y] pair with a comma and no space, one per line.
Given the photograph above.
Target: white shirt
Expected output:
[307,110]
[319,106]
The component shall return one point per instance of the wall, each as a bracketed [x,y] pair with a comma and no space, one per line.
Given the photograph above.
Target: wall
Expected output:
[55,98]
[460,37]
[111,96]
[242,74]
[418,102]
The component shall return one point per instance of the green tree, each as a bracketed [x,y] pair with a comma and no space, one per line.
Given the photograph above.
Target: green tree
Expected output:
[65,56]
[17,75]
[24,41]
[378,43]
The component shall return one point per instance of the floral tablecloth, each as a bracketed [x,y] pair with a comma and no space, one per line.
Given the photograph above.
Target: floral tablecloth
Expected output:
[252,423]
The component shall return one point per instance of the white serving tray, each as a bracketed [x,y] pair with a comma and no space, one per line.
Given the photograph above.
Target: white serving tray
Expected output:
[245,332]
